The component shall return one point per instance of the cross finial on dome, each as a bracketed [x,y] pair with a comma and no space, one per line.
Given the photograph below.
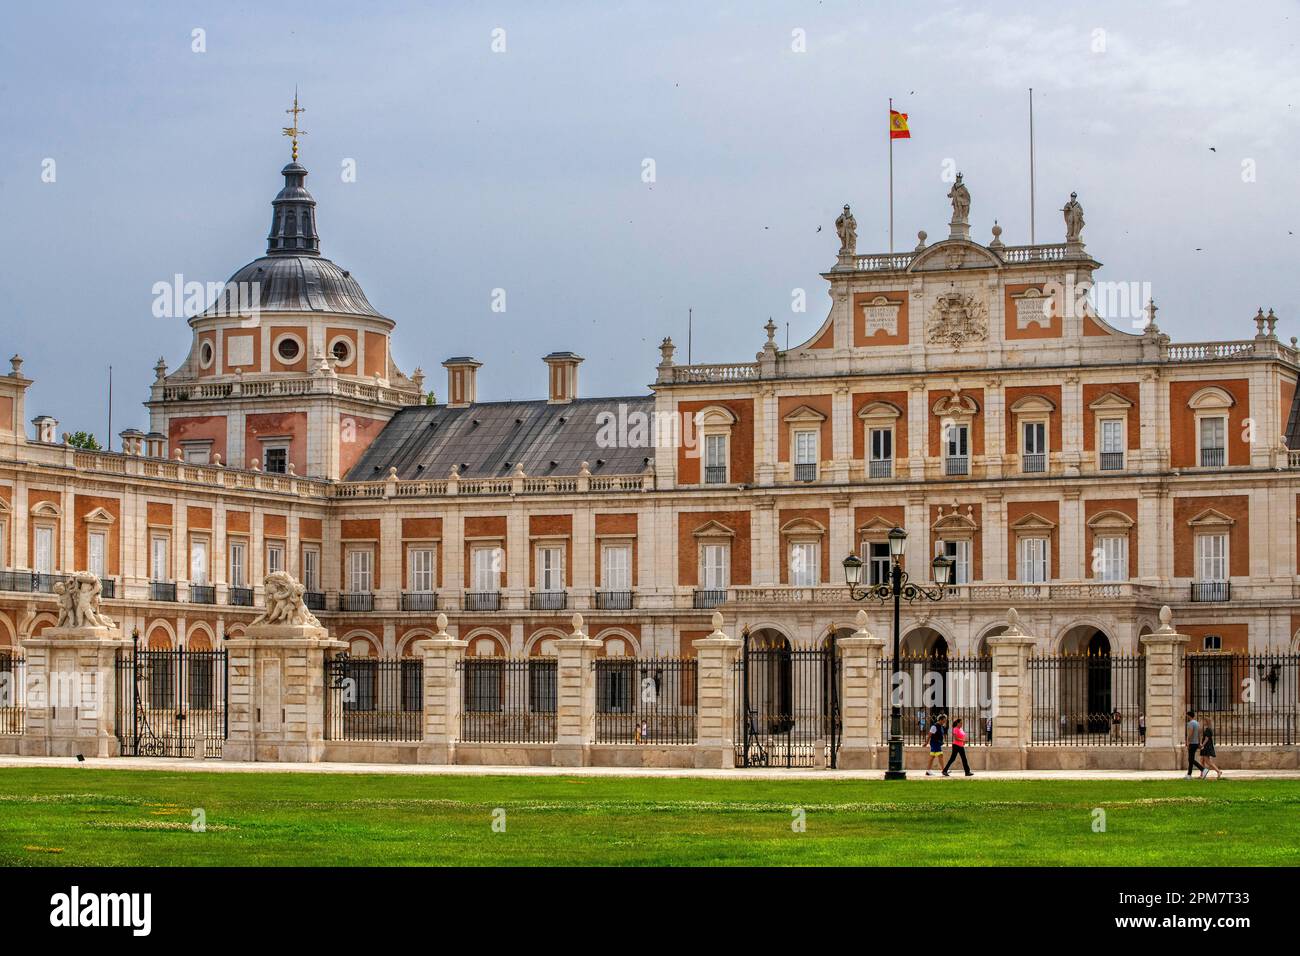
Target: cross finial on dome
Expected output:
[293,132]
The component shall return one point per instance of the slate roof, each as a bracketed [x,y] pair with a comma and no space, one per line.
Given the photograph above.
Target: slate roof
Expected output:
[488,439]
[1293,424]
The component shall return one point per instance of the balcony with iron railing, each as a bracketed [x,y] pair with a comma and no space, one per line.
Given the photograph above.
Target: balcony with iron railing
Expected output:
[356,601]
[715,474]
[1111,461]
[203,594]
[955,465]
[1211,591]
[1033,463]
[1213,457]
[419,601]
[482,601]
[614,600]
[805,471]
[548,600]
[314,600]
[709,597]
[162,590]
[240,597]
[881,468]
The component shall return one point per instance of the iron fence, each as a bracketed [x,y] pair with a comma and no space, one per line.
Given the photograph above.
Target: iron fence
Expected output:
[645,700]
[171,702]
[1087,700]
[13,694]
[371,698]
[508,700]
[960,687]
[1249,699]
[787,704]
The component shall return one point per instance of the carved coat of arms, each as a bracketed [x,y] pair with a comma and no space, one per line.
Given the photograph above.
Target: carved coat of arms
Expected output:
[957,318]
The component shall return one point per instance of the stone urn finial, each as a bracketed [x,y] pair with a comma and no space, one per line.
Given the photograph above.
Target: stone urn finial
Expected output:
[1166,621]
[1013,622]
[441,621]
[576,621]
[717,622]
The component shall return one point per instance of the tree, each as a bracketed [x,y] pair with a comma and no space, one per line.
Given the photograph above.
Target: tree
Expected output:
[84,440]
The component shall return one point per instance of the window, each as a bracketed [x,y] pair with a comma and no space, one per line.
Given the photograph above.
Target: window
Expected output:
[805,455]
[1032,557]
[238,563]
[274,556]
[275,459]
[1034,451]
[1212,557]
[715,459]
[419,569]
[311,568]
[959,552]
[359,571]
[96,548]
[4,553]
[1212,642]
[199,561]
[1212,432]
[158,558]
[805,564]
[287,349]
[1111,555]
[957,449]
[882,453]
[44,545]
[341,349]
[1112,444]
[616,568]
[486,567]
[878,562]
[714,559]
[550,568]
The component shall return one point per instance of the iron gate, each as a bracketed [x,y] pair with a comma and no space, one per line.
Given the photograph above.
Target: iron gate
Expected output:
[787,704]
[170,701]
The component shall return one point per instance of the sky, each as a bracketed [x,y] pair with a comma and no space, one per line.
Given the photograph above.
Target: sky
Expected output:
[524,169]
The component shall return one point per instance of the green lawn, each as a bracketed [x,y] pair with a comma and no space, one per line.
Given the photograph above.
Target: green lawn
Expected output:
[94,817]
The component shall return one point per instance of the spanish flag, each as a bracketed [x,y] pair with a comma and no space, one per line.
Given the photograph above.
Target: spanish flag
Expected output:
[898,125]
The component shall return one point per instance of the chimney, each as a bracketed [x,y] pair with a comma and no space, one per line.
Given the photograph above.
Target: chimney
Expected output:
[155,445]
[132,441]
[47,429]
[461,388]
[563,367]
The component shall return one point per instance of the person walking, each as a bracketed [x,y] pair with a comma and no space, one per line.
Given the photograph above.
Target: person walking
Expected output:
[1142,728]
[936,733]
[988,730]
[958,748]
[1193,743]
[1207,751]
[1116,722]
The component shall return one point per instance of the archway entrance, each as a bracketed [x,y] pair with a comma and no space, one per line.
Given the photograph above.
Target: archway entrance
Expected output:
[1087,690]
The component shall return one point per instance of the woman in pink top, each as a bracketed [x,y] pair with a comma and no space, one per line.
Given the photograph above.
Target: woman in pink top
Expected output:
[958,748]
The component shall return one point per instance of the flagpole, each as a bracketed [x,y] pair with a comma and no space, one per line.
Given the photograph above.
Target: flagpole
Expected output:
[889,131]
[1031,166]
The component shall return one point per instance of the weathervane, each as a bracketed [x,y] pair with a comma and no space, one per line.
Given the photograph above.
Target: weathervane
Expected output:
[293,132]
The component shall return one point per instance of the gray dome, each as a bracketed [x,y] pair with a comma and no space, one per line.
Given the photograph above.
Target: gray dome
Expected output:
[292,276]
[297,284]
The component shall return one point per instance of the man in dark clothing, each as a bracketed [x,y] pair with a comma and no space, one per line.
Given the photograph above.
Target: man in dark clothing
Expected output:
[1193,743]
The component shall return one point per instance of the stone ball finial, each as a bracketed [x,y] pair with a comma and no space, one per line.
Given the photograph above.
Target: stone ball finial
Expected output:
[921,237]
[717,620]
[392,472]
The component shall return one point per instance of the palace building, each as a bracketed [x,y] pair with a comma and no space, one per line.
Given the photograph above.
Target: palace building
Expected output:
[963,391]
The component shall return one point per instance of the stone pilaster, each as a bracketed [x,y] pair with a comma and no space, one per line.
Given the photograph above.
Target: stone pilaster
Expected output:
[72,692]
[276,692]
[575,710]
[442,654]
[860,706]
[1011,696]
[715,709]
[1165,706]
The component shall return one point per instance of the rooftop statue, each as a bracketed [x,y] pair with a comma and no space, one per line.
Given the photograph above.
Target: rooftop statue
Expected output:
[847,227]
[960,197]
[1073,219]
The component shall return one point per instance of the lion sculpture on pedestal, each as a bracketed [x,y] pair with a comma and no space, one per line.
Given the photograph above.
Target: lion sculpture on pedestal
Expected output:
[284,604]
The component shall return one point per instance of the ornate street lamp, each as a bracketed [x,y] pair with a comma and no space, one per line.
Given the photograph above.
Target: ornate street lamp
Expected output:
[899,586]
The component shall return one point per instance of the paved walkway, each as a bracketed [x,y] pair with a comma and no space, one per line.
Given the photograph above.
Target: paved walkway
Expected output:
[228,766]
